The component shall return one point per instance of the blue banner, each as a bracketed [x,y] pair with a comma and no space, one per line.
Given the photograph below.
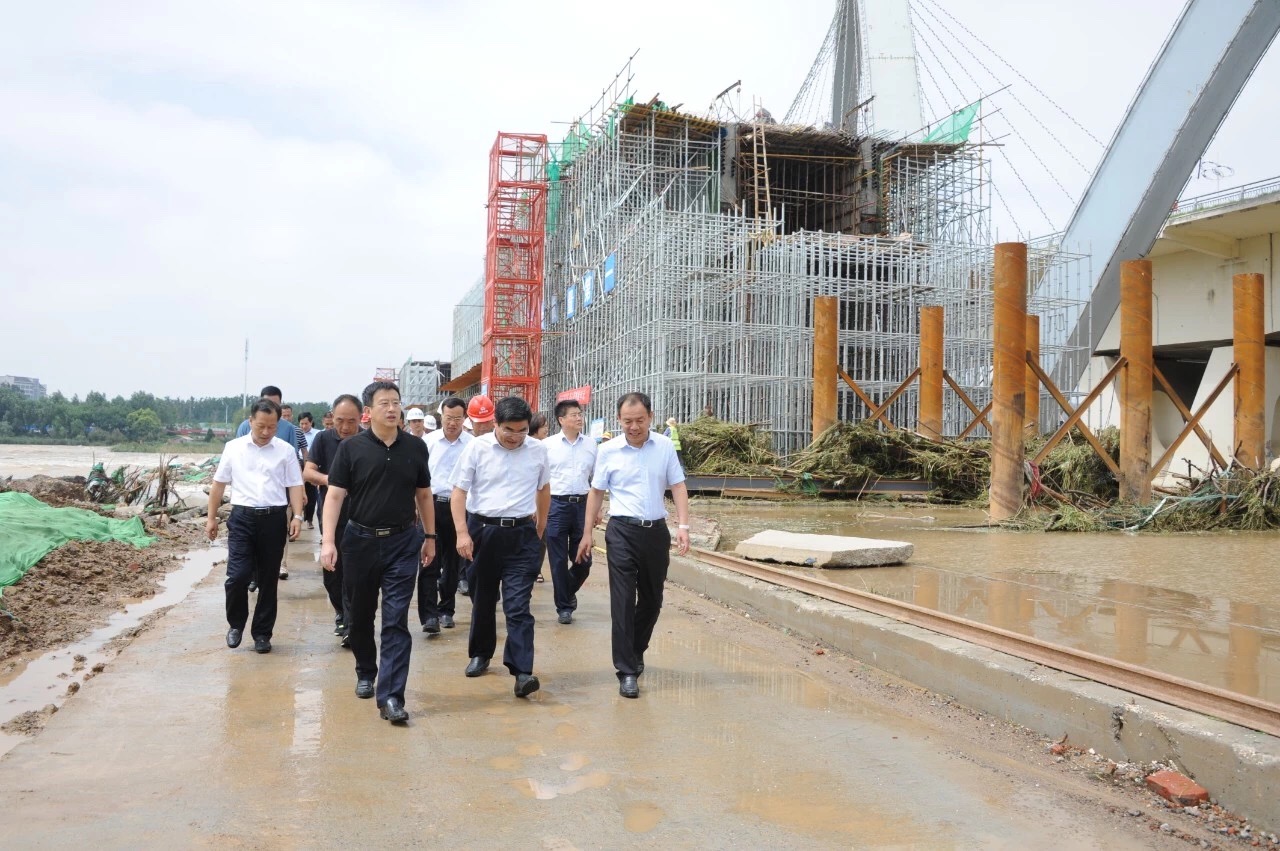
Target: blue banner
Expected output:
[588,287]
[610,272]
[570,301]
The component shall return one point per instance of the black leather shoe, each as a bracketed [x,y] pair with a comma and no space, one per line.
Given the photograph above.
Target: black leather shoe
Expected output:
[233,638]
[477,667]
[364,689]
[253,585]
[628,687]
[345,641]
[431,626]
[526,684]
[262,645]
[566,616]
[446,621]
[464,587]
[393,711]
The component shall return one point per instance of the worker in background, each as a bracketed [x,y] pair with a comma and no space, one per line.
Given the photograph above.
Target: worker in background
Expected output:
[572,456]
[346,419]
[384,471]
[539,428]
[674,434]
[480,413]
[266,508]
[439,580]
[308,434]
[415,422]
[286,431]
[636,468]
[430,424]
[501,494]
[326,421]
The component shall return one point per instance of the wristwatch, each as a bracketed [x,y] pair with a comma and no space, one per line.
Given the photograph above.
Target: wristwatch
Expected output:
[429,535]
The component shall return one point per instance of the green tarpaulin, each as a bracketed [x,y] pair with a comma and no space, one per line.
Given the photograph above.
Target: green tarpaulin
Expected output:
[30,530]
[954,129]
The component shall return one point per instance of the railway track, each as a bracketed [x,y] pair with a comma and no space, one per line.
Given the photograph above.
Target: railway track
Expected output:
[1236,708]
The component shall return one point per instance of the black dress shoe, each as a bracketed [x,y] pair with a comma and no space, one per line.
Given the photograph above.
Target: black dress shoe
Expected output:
[262,645]
[477,667]
[364,689]
[446,621]
[431,626]
[526,684]
[393,711]
[464,587]
[233,637]
[566,616]
[628,687]
[253,585]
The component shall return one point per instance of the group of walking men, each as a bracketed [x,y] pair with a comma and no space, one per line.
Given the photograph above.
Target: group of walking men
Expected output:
[450,512]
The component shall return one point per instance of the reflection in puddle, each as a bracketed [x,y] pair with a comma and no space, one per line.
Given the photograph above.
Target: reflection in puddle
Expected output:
[547,791]
[44,680]
[574,762]
[308,705]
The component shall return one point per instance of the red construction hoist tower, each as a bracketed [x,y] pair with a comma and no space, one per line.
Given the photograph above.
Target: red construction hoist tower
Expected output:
[512,341]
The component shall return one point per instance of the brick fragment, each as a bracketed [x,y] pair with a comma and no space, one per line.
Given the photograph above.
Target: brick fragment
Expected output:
[1177,788]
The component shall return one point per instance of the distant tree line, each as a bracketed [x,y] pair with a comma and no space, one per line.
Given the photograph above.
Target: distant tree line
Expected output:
[141,417]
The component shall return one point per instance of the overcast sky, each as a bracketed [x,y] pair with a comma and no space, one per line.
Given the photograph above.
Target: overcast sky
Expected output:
[178,176]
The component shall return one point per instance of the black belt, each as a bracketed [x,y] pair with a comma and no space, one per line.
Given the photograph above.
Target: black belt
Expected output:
[505,522]
[274,509]
[380,531]
[636,521]
[443,499]
[569,497]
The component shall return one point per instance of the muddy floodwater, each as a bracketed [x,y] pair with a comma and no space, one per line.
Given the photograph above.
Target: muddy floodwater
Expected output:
[1202,606]
[21,461]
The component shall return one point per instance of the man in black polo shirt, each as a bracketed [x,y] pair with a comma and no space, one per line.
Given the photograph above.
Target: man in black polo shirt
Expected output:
[384,472]
[346,423]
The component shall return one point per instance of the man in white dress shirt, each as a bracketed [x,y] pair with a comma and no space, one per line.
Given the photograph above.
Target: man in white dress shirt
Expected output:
[438,580]
[636,468]
[501,494]
[266,506]
[572,456]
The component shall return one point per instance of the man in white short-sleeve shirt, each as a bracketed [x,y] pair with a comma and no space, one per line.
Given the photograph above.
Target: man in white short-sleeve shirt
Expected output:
[636,468]
[438,579]
[266,507]
[501,493]
[573,456]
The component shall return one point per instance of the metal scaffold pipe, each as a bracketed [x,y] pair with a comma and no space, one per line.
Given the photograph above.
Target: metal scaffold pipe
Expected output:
[1033,381]
[1251,381]
[1009,386]
[826,350]
[929,420]
[1136,381]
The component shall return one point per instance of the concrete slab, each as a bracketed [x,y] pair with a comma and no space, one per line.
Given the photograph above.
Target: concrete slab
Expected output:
[823,550]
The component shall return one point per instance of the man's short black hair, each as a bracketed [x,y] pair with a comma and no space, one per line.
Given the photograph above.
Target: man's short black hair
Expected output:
[290,407]
[452,402]
[306,415]
[563,408]
[264,406]
[512,409]
[377,387]
[271,390]
[642,398]
[345,397]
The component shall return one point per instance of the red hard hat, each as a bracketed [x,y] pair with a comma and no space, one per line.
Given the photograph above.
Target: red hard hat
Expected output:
[480,409]
[364,418]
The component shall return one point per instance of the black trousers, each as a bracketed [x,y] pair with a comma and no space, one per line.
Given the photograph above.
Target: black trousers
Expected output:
[505,560]
[255,548]
[438,581]
[638,560]
[313,496]
[385,566]
[566,524]
[339,594]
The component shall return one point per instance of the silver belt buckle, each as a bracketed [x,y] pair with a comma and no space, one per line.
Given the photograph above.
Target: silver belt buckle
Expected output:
[647,524]
[506,522]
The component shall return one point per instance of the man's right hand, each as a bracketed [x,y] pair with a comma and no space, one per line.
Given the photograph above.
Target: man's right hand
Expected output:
[211,527]
[466,548]
[329,557]
[584,548]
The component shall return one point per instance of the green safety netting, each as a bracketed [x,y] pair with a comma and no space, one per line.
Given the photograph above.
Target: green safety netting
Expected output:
[30,530]
[562,155]
[955,128]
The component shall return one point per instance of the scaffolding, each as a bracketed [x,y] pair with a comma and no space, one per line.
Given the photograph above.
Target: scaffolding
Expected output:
[684,255]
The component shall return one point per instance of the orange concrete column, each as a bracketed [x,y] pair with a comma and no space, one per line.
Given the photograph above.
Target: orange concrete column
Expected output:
[826,351]
[1135,383]
[1251,381]
[1032,403]
[929,420]
[1009,385]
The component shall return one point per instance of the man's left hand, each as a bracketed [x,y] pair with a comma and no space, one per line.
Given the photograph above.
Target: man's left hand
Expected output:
[428,550]
[295,527]
[682,541]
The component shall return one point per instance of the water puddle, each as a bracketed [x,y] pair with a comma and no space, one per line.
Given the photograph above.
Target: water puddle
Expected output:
[641,816]
[542,791]
[48,679]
